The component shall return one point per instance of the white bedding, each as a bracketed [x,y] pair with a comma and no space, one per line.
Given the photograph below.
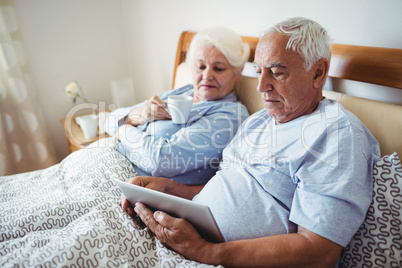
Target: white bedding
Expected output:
[69,215]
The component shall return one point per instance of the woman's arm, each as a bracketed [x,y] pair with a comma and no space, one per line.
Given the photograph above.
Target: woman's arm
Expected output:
[112,121]
[151,110]
[192,147]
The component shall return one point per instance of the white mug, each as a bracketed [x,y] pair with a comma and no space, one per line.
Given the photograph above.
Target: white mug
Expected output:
[179,108]
[88,124]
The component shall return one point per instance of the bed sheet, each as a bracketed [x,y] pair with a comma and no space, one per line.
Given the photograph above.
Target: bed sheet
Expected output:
[69,215]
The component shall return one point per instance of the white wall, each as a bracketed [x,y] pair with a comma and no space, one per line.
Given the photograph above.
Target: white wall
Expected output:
[72,40]
[156,22]
[93,41]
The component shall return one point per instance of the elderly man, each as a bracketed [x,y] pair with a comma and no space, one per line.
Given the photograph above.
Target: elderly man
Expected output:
[296,181]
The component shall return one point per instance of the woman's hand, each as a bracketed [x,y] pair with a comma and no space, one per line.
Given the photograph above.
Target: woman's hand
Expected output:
[153,110]
[175,233]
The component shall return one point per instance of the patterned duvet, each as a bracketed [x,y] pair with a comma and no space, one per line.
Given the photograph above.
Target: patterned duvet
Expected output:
[69,215]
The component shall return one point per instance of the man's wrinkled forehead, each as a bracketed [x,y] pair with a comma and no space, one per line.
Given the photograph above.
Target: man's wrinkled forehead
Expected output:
[262,51]
[266,48]
[271,51]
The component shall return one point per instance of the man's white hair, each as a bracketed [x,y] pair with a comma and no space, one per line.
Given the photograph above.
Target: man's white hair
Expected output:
[308,38]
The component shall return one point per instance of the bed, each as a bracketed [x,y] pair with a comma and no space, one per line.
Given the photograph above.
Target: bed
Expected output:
[69,214]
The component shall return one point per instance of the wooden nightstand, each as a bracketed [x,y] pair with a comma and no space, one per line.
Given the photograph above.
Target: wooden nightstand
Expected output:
[75,138]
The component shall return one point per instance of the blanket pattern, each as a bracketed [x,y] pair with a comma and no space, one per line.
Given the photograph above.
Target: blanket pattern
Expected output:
[69,215]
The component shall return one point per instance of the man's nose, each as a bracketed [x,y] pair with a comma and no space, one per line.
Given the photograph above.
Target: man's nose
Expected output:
[264,83]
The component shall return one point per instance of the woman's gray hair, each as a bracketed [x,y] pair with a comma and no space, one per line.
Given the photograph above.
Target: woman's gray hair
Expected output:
[226,41]
[308,38]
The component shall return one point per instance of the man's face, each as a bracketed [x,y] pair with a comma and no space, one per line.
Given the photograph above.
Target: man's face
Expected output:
[285,86]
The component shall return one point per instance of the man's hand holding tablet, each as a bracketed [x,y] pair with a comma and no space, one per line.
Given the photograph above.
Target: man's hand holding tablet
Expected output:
[198,215]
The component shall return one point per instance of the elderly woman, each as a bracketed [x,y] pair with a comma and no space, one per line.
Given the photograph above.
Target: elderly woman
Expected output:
[69,214]
[188,153]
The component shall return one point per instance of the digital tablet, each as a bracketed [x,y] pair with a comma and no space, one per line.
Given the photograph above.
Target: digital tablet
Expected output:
[198,215]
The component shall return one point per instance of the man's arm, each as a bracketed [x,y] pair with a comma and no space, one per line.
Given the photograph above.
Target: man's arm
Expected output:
[301,249]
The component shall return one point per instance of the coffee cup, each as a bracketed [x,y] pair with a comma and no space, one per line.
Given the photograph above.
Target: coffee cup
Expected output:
[88,124]
[179,108]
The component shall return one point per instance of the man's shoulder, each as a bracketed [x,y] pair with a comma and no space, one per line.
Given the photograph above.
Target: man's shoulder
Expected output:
[344,124]
[332,111]
[344,117]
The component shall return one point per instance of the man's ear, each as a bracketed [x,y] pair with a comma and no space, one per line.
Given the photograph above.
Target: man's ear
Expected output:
[320,73]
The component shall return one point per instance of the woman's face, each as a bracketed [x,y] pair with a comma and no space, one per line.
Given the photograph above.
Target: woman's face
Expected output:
[213,76]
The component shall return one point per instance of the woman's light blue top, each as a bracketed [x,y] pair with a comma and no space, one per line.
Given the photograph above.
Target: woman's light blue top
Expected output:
[188,153]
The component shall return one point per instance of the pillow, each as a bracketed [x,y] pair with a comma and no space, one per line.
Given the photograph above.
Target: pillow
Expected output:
[183,75]
[378,243]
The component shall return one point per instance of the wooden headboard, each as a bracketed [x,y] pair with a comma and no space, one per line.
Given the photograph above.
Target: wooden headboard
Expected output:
[374,65]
